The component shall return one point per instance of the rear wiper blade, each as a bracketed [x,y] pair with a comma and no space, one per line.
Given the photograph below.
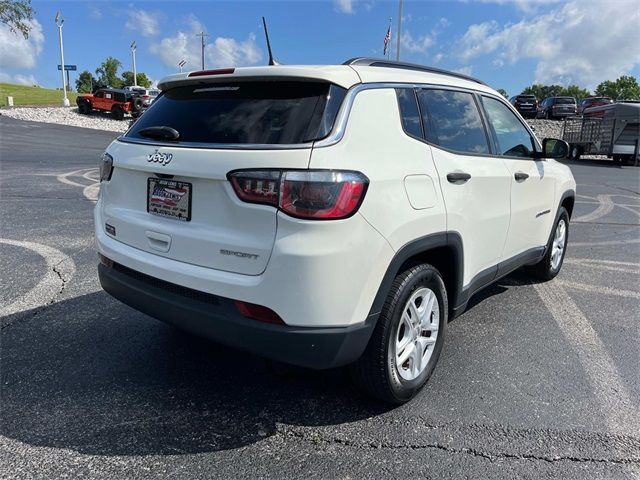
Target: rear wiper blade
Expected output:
[160,133]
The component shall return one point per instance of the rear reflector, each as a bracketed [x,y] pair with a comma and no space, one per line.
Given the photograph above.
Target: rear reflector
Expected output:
[306,194]
[258,312]
[220,71]
[107,262]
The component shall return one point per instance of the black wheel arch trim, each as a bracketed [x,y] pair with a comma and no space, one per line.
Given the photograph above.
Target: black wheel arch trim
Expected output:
[451,240]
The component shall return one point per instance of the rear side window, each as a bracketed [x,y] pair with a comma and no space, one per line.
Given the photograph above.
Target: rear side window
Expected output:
[246,112]
[511,137]
[409,112]
[454,120]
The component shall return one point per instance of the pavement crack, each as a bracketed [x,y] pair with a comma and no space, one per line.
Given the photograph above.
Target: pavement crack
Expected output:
[317,438]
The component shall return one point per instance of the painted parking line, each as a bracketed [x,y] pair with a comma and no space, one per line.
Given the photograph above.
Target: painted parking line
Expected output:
[604,208]
[60,269]
[91,191]
[600,290]
[627,267]
[616,404]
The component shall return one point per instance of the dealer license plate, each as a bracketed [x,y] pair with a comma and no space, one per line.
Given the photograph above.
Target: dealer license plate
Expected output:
[169,198]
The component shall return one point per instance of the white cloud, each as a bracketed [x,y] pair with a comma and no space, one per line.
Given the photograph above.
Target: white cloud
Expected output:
[571,43]
[16,52]
[416,45]
[147,23]
[438,57]
[19,79]
[344,6]
[222,52]
[524,5]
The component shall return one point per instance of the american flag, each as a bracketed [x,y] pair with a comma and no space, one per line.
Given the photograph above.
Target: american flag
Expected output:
[387,39]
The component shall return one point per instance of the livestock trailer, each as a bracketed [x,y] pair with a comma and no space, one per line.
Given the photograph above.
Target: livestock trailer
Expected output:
[612,130]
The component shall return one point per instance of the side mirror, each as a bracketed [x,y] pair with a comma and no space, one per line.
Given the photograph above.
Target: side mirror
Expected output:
[553,148]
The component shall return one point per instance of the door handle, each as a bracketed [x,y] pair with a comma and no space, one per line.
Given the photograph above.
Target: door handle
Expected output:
[458,177]
[521,176]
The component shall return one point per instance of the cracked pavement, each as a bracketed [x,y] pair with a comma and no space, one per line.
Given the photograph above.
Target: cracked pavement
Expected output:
[529,385]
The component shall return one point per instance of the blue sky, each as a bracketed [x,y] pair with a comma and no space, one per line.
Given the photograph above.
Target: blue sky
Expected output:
[507,43]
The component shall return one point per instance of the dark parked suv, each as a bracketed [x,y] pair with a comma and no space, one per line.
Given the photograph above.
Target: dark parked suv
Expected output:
[527,105]
[593,102]
[557,107]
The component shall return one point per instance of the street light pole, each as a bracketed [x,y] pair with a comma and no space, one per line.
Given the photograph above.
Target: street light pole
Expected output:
[202,35]
[133,55]
[59,22]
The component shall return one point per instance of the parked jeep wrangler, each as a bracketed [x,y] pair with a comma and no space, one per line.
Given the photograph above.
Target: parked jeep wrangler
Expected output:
[118,102]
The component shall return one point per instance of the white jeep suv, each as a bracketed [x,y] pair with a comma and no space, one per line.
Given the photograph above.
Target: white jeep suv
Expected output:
[328,215]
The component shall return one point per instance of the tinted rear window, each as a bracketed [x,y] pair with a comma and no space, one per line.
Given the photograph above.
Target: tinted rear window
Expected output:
[246,112]
[455,120]
[525,98]
[565,101]
[409,113]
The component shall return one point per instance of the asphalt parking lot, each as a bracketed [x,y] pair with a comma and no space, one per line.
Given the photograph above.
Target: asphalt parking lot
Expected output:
[536,380]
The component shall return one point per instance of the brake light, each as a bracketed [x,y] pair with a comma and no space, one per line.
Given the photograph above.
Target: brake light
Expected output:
[220,71]
[146,97]
[258,312]
[307,194]
[106,167]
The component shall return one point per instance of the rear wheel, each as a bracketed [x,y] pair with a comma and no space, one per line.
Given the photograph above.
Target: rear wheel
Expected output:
[406,343]
[574,152]
[117,112]
[551,263]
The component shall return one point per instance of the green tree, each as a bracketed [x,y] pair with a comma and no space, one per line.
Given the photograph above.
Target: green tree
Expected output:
[575,91]
[107,73]
[143,80]
[624,88]
[503,92]
[16,14]
[543,91]
[85,82]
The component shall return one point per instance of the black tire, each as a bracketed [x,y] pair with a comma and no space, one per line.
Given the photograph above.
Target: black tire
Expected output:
[544,269]
[547,115]
[84,107]
[574,152]
[117,112]
[375,371]
[137,104]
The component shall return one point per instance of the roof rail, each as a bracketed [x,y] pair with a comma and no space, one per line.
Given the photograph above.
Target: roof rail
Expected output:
[377,62]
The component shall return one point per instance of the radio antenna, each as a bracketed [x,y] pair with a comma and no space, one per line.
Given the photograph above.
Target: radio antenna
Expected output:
[272,61]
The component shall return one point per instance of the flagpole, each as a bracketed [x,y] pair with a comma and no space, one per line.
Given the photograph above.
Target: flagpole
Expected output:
[399,30]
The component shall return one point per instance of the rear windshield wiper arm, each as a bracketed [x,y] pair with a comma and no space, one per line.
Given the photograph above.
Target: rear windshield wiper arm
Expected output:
[160,133]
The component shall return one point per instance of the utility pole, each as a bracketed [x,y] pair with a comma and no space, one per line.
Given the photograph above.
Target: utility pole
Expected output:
[399,30]
[133,56]
[202,35]
[59,22]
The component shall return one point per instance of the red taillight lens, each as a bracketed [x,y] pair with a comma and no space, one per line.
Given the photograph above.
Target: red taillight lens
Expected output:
[322,195]
[258,312]
[146,97]
[308,194]
[257,186]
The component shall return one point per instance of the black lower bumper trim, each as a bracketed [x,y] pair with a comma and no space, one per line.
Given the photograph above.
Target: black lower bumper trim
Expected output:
[217,318]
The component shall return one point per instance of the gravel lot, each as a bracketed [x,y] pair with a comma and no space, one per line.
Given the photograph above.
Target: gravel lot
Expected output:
[68,116]
[103,121]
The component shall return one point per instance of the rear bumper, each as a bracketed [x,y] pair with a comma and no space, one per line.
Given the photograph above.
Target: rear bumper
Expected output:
[216,318]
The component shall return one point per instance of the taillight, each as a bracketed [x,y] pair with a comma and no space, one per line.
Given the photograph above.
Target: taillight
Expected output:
[307,194]
[257,186]
[106,167]
[146,97]
[258,312]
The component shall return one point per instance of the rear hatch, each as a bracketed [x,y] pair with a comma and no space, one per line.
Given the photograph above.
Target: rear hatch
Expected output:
[526,102]
[171,197]
[565,105]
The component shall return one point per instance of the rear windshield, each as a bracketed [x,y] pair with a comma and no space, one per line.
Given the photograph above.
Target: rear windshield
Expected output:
[246,112]
[526,98]
[565,101]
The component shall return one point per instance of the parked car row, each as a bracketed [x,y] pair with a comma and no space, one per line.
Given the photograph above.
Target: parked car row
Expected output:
[118,102]
[556,107]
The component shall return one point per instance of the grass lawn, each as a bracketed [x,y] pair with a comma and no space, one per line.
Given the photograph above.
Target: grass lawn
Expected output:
[23,95]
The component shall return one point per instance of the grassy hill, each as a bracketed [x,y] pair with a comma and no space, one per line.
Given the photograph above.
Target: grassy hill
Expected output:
[23,95]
